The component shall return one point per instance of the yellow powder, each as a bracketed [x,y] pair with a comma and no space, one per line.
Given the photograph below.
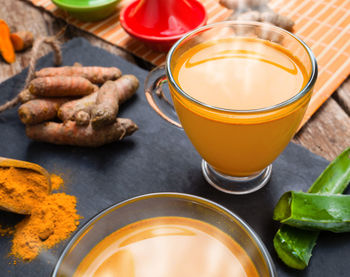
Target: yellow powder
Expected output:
[53,217]
[6,231]
[49,223]
[21,188]
[56,182]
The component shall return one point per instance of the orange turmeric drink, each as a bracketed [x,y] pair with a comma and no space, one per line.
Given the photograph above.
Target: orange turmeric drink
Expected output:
[167,246]
[230,85]
[239,96]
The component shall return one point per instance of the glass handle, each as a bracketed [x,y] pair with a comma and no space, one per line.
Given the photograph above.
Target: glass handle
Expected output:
[155,91]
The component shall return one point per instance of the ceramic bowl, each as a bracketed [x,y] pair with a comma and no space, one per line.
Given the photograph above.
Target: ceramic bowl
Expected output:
[159,205]
[159,23]
[88,10]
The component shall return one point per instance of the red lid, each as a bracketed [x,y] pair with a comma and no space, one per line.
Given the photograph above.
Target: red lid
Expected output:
[162,21]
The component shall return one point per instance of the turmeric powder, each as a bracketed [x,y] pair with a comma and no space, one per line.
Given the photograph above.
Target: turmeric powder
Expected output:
[56,182]
[49,223]
[53,217]
[6,231]
[22,188]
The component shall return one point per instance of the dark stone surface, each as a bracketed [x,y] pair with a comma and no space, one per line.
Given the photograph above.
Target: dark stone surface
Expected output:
[156,158]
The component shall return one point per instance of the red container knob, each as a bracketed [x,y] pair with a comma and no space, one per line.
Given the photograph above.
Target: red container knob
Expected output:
[160,23]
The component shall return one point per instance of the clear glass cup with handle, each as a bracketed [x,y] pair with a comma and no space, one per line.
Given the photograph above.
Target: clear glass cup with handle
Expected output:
[238,145]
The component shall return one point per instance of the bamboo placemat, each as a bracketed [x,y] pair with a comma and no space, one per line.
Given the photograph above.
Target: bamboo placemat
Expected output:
[323,24]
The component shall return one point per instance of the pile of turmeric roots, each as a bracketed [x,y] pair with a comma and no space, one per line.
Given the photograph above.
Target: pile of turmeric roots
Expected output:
[65,105]
[11,42]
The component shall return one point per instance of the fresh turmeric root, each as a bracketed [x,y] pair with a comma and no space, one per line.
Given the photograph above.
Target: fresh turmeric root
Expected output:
[79,110]
[61,86]
[69,133]
[95,74]
[277,20]
[22,40]
[25,96]
[126,87]
[109,97]
[40,110]
[256,10]
[68,110]
[106,106]
[242,4]
[6,48]
[82,118]
[246,16]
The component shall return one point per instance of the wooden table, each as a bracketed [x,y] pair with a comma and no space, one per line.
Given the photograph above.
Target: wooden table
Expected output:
[327,133]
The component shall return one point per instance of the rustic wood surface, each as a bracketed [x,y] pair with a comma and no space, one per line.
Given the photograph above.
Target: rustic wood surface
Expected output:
[327,133]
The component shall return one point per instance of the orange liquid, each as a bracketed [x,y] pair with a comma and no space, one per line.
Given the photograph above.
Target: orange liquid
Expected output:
[167,247]
[239,74]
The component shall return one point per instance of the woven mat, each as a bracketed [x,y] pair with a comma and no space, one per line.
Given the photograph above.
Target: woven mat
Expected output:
[323,24]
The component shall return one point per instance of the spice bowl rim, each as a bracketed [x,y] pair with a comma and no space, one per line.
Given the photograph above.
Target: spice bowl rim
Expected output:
[87,12]
[88,6]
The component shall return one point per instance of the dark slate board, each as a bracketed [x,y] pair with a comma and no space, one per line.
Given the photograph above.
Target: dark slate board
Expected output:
[157,158]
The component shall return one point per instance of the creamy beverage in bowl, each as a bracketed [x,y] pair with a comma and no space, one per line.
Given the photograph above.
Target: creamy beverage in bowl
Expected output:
[167,246]
[165,235]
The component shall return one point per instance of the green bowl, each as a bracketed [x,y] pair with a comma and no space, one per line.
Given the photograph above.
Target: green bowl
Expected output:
[88,10]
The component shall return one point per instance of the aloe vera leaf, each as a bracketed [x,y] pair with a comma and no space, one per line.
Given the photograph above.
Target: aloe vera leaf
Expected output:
[336,177]
[294,246]
[310,211]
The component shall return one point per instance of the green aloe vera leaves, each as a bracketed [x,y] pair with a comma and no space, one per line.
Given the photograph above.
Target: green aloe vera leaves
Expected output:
[310,211]
[294,246]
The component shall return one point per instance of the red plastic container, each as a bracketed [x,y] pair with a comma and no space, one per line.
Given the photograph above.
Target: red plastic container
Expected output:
[160,23]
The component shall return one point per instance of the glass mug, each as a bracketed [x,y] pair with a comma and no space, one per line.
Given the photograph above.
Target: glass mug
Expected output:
[237,146]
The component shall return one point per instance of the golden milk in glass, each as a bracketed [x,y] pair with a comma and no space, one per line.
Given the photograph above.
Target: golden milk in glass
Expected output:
[232,81]
[167,247]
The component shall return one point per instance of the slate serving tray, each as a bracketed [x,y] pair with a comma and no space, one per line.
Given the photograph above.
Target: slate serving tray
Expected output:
[157,158]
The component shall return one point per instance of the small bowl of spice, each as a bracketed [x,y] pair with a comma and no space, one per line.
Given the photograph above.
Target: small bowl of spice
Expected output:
[159,24]
[51,215]
[88,10]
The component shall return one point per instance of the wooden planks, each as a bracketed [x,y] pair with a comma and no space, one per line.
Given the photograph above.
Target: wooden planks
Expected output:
[342,96]
[328,131]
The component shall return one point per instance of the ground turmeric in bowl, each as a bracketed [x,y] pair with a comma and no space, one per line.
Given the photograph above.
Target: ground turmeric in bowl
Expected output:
[22,188]
[53,217]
